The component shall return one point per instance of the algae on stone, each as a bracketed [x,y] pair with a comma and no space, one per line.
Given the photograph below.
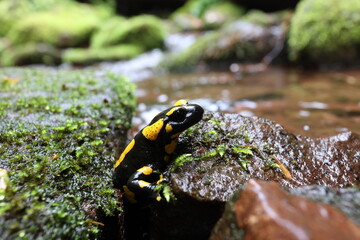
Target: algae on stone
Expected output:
[30,53]
[64,26]
[146,31]
[206,14]
[239,41]
[105,35]
[325,31]
[11,11]
[267,19]
[58,135]
[91,55]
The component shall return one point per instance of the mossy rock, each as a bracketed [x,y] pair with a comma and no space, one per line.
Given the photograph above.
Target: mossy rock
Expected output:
[7,20]
[63,26]
[195,15]
[325,31]
[11,11]
[91,55]
[145,31]
[59,132]
[105,35]
[232,43]
[30,53]
[266,19]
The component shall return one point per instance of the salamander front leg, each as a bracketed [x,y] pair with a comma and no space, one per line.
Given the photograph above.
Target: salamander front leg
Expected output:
[142,184]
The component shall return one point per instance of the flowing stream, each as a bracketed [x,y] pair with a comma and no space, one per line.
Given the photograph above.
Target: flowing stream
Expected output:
[311,103]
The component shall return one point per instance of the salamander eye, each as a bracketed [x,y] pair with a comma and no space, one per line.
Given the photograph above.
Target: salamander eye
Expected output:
[179,115]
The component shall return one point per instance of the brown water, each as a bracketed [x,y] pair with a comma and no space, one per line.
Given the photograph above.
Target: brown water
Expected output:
[317,104]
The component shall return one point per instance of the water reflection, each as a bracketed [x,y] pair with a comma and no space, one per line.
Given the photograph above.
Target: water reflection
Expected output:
[310,103]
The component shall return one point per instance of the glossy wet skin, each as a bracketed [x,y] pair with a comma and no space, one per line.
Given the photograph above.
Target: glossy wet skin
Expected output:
[139,168]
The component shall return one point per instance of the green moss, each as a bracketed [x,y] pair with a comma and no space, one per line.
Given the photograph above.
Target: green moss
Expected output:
[325,30]
[266,19]
[216,144]
[197,8]
[206,14]
[192,55]
[105,35]
[223,45]
[11,11]
[63,26]
[91,55]
[58,134]
[30,53]
[146,31]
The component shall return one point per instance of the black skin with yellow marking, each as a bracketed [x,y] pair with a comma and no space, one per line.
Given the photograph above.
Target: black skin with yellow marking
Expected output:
[139,168]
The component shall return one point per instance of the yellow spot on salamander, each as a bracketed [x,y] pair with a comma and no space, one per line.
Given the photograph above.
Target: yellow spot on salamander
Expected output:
[181,102]
[129,194]
[170,148]
[171,111]
[145,170]
[158,198]
[176,135]
[123,154]
[166,158]
[160,179]
[168,128]
[143,183]
[152,131]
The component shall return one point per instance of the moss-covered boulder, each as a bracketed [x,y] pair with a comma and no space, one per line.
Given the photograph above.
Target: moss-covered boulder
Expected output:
[239,41]
[58,135]
[11,11]
[325,31]
[63,26]
[91,55]
[146,31]
[30,53]
[211,14]
[267,19]
[105,35]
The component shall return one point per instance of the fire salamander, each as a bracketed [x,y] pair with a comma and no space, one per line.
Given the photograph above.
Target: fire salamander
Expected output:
[139,168]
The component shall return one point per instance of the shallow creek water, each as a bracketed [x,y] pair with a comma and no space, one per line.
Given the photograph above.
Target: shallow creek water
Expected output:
[311,103]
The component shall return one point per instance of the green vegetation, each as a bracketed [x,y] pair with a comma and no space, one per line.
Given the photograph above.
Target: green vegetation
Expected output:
[105,35]
[73,32]
[266,19]
[12,11]
[224,146]
[146,31]
[92,55]
[206,14]
[30,53]
[325,31]
[224,45]
[58,136]
[63,26]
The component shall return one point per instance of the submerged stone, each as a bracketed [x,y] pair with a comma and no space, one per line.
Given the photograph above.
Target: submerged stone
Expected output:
[263,211]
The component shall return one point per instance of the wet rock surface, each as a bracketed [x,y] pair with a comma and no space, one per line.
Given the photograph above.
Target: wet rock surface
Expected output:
[224,151]
[59,133]
[333,161]
[264,211]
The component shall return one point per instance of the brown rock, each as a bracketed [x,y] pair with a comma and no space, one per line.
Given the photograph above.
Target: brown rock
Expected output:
[333,161]
[264,211]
